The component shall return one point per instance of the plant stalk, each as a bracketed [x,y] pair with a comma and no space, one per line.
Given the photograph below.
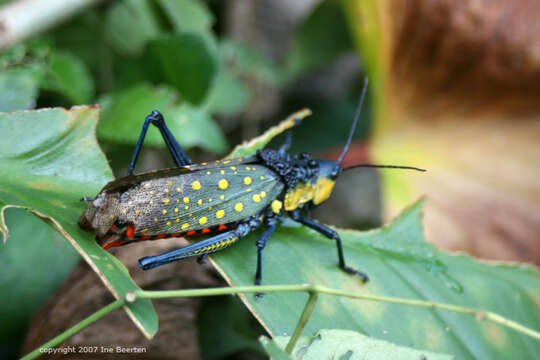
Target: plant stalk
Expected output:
[21,19]
[306,314]
[74,330]
[313,291]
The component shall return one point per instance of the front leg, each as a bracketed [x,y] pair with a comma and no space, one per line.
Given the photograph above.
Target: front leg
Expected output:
[271,224]
[331,234]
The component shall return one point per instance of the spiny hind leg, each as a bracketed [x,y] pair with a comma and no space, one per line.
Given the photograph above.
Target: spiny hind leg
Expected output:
[203,247]
[178,154]
[331,234]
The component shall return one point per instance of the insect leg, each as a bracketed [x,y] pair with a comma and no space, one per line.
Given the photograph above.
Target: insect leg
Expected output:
[207,246]
[178,154]
[287,144]
[203,247]
[288,140]
[271,224]
[202,259]
[331,234]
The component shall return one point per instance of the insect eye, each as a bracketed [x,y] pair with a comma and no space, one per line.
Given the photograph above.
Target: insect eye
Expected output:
[305,156]
[335,172]
[312,163]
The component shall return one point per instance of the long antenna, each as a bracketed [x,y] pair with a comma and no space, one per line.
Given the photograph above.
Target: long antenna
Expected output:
[384,166]
[355,122]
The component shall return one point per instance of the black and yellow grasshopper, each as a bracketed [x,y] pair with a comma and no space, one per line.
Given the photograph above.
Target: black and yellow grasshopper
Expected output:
[226,198]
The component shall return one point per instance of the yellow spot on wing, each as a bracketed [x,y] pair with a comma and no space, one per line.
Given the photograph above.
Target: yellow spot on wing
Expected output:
[222,197]
[164,212]
[175,210]
[263,194]
[186,200]
[208,172]
[223,184]
[146,186]
[203,220]
[179,189]
[137,212]
[220,214]
[247,180]
[256,198]
[169,223]
[152,192]
[262,178]
[196,185]
[166,201]
[276,206]
[222,172]
[169,183]
[186,207]
[156,220]
[239,207]
[233,167]
[227,161]
[185,226]
[199,202]
[144,230]
[177,220]
[204,163]
[151,202]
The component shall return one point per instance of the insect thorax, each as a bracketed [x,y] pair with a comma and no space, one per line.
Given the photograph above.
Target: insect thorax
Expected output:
[301,176]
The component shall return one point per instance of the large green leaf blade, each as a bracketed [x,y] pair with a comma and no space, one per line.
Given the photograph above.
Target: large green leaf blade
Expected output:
[400,264]
[48,160]
[124,113]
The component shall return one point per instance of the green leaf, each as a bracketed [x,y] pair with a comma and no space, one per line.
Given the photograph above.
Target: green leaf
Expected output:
[314,45]
[124,113]
[49,159]
[18,89]
[350,345]
[401,264]
[188,15]
[228,96]
[130,24]
[195,127]
[28,276]
[244,59]
[69,76]
[187,61]
[251,146]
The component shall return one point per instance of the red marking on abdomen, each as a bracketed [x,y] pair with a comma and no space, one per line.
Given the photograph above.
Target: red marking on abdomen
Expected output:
[205,231]
[130,231]
[191,233]
[114,244]
[222,227]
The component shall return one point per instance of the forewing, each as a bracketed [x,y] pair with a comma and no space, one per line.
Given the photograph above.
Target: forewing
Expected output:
[126,182]
[199,199]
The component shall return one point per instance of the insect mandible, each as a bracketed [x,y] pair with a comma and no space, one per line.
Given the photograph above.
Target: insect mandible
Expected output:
[227,199]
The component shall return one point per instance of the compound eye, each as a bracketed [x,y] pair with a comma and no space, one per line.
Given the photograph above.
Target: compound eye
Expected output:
[305,156]
[335,172]
[312,163]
